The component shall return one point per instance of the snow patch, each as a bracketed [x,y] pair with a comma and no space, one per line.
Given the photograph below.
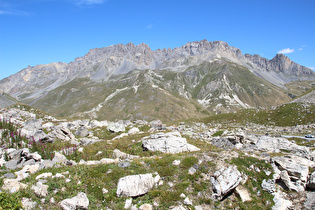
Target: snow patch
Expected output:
[204,102]
[135,87]
[99,106]
[114,94]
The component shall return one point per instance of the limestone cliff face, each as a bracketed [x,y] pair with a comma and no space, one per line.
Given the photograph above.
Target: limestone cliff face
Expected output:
[100,64]
[280,64]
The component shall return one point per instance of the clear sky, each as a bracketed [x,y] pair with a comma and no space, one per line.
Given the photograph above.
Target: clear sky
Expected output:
[36,32]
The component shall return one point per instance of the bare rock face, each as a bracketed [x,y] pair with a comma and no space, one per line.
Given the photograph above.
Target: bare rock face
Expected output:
[224,181]
[78,202]
[116,127]
[61,132]
[293,171]
[82,131]
[270,144]
[135,185]
[171,142]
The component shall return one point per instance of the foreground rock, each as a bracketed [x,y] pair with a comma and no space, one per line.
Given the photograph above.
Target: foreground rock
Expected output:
[78,202]
[171,142]
[122,155]
[13,185]
[224,181]
[116,127]
[28,204]
[270,144]
[293,171]
[135,185]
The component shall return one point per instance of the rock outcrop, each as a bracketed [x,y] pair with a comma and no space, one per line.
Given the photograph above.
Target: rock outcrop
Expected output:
[224,181]
[171,142]
[78,202]
[136,185]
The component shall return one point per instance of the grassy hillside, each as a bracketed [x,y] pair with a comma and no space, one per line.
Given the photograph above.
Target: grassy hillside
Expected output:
[284,115]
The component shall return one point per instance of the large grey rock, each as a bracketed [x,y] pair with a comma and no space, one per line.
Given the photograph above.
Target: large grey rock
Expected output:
[59,159]
[135,185]
[122,155]
[292,170]
[47,164]
[171,142]
[224,181]
[62,133]
[86,141]
[116,127]
[223,143]
[271,144]
[268,185]
[12,164]
[40,135]
[78,202]
[293,165]
[14,154]
[296,186]
[9,176]
[82,131]
[33,125]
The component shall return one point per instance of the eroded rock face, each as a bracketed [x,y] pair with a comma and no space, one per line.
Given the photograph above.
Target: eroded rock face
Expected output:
[62,133]
[135,185]
[171,142]
[268,185]
[270,144]
[78,202]
[292,170]
[224,181]
[116,127]
[82,131]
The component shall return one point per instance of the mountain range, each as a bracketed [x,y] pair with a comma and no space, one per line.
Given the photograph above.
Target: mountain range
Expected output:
[134,82]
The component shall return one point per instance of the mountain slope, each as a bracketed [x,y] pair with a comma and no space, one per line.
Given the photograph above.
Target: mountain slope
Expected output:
[132,82]
[101,63]
[217,86]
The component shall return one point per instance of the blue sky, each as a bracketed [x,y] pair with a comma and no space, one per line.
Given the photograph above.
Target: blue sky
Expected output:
[36,32]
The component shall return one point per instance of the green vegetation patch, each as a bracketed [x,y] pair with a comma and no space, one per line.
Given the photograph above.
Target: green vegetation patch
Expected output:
[10,201]
[285,115]
[255,170]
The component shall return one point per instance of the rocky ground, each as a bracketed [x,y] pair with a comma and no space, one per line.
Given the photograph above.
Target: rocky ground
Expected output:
[49,163]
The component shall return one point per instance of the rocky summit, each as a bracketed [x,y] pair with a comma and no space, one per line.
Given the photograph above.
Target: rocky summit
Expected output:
[191,81]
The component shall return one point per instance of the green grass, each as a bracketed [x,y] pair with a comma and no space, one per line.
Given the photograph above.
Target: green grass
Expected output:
[218,133]
[255,177]
[9,201]
[285,115]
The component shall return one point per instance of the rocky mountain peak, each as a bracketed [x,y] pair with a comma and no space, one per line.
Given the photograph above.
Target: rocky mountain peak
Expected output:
[100,64]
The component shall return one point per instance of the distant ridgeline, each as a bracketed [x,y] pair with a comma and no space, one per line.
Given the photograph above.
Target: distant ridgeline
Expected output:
[133,82]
